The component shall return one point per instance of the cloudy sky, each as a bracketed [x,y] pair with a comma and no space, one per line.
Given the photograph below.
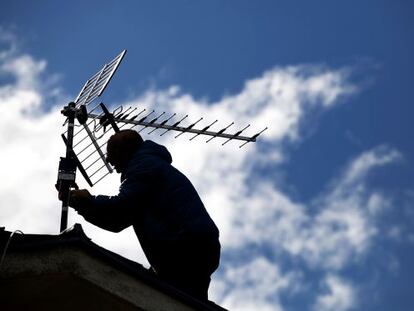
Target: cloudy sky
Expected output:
[318,214]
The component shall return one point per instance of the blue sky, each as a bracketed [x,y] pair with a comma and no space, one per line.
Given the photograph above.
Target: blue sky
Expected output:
[317,215]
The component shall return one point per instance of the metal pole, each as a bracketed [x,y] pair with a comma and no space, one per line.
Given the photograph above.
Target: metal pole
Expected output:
[68,169]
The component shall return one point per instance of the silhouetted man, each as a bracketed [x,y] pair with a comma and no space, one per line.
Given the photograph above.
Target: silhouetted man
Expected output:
[177,235]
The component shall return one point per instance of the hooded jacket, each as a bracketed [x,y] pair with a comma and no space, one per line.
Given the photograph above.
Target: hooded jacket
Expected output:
[157,200]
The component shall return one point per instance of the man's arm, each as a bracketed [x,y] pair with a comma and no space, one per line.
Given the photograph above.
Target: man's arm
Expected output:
[112,213]
[111,219]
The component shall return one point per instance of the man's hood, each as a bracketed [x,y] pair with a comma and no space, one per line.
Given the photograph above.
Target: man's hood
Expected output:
[147,152]
[148,147]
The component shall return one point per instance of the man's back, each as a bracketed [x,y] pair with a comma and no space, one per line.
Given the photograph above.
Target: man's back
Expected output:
[170,209]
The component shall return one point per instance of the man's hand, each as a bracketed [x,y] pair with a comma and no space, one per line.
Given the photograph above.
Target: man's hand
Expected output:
[79,198]
[62,194]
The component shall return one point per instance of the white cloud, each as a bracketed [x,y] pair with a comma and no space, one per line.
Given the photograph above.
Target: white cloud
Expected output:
[339,229]
[360,167]
[29,147]
[347,211]
[252,212]
[339,296]
[253,286]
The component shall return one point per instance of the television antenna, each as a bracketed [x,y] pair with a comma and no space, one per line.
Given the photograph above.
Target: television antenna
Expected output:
[95,123]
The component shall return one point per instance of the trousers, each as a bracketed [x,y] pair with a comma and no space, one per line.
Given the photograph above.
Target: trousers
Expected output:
[189,264]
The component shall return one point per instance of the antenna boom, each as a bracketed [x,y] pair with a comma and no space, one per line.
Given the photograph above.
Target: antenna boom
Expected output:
[177,128]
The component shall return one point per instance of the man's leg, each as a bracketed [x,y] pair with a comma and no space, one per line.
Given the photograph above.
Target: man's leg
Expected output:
[194,285]
[190,265]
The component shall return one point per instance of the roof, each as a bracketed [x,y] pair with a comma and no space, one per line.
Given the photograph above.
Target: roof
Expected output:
[75,237]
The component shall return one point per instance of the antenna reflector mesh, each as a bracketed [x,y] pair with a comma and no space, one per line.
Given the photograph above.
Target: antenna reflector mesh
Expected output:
[95,86]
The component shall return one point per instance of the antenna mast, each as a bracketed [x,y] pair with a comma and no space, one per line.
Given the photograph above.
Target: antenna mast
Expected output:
[92,89]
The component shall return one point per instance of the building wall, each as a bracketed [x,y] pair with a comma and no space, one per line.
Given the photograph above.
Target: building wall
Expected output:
[68,277]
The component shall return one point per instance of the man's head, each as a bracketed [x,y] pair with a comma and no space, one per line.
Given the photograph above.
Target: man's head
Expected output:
[121,147]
